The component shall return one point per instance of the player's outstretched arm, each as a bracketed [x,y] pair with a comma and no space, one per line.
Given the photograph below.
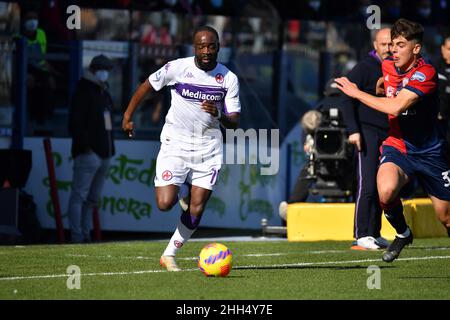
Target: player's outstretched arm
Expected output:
[393,106]
[141,92]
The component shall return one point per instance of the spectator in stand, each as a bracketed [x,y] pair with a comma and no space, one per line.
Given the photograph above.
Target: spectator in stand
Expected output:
[90,126]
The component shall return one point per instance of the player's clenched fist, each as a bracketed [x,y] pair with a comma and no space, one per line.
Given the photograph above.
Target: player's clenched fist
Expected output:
[127,126]
[210,107]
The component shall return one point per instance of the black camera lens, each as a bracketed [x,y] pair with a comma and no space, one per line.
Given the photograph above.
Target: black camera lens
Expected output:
[328,142]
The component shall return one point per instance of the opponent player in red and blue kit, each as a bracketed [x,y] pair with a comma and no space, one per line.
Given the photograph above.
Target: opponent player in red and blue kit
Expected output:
[414,149]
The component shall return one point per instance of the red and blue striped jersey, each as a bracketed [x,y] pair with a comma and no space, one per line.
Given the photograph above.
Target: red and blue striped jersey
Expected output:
[415,130]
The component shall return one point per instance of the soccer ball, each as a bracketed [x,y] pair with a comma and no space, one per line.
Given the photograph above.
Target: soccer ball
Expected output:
[215,260]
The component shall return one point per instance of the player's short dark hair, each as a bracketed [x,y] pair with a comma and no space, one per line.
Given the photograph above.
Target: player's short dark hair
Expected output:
[445,39]
[205,28]
[408,29]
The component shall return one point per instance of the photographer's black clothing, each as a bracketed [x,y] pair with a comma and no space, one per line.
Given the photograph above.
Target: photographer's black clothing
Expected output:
[89,104]
[373,127]
[365,75]
[301,188]
[329,102]
[444,96]
[367,204]
[304,182]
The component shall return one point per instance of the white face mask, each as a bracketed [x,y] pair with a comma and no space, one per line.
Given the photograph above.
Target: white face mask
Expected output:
[31,24]
[102,75]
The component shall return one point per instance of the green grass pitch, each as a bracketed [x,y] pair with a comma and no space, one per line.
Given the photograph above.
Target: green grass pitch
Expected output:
[276,270]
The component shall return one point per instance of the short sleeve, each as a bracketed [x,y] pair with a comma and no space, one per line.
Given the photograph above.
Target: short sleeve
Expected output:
[164,76]
[232,103]
[423,81]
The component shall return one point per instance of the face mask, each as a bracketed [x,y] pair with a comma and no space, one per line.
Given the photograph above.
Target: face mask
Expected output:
[102,75]
[31,24]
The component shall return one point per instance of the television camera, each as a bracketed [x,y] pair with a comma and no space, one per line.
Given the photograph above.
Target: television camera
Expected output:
[330,165]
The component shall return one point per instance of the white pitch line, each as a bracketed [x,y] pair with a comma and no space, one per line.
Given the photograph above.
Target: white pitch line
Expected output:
[431,248]
[301,264]
[187,258]
[257,255]
[87,274]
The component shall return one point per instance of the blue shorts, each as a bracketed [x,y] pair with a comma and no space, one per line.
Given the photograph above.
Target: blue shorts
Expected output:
[430,170]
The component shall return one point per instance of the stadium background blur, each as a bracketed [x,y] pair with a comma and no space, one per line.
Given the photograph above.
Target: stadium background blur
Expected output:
[293,49]
[282,51]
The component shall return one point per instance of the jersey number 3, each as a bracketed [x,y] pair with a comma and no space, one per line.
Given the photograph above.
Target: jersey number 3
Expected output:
[446,178]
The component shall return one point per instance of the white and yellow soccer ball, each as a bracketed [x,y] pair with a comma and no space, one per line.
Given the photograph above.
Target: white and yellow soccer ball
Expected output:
[215,260]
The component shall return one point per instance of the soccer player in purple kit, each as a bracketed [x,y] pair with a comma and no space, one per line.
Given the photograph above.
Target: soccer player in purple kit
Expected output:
[415,148]
[205,95]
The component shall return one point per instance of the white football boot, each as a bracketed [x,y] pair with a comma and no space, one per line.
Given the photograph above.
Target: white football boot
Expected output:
[367,243]
[168,263]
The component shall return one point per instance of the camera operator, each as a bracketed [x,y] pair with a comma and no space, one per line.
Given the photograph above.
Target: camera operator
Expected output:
[367,128]
[443,68]
[310,121]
